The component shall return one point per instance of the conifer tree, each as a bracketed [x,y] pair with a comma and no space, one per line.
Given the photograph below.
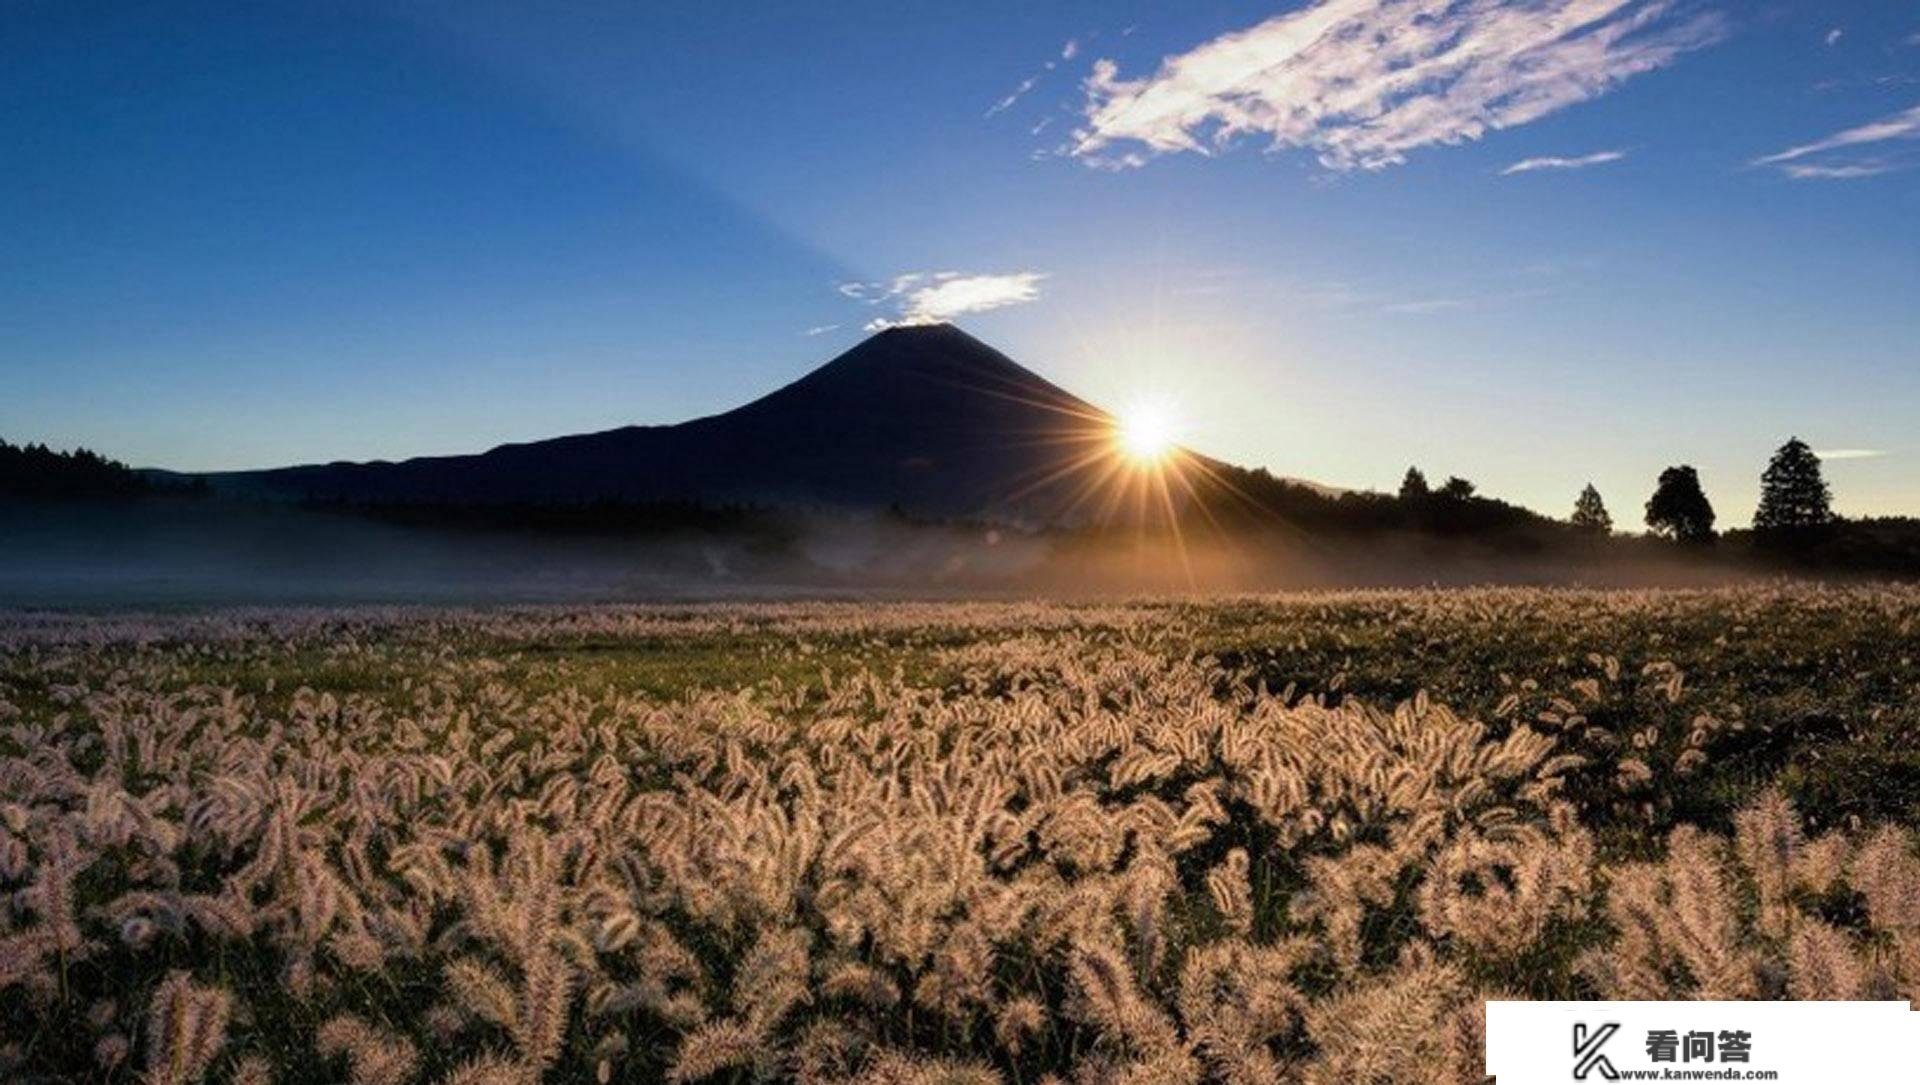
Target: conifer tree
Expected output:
[1414,486]
[1794,499]
[1590,513]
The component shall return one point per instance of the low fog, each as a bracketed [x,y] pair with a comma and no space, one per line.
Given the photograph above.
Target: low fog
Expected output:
[185,553]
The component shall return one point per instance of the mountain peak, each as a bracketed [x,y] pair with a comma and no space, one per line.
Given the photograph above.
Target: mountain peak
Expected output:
[924,417]
[938,329]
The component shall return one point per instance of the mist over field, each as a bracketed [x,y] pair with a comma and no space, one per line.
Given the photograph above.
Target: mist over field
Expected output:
[172,553]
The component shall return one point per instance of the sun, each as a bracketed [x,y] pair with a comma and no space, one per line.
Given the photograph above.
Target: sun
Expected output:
[1146,433]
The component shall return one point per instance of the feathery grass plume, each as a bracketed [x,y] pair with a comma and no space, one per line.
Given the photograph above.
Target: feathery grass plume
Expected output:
[1109,998]
[480,990]
[251,1070]
[540,1025]
[772,979]
[1232,893]
[1017,1020]
[898,1068]
[374,1056]
[1390,1029]
[1769,842]
[716,1046]
[110,1051]
[1235,999]
[824,1053]
[1677,912]
[1822,863]
[1497,897]
[186,1028]
[490,1070]
[862,983]
[1822,965]
[1887,873]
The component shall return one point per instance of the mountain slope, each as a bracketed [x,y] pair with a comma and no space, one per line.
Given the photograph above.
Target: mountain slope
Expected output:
[928,419]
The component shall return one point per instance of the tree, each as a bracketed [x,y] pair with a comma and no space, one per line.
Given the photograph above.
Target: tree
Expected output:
[1794,499]
[1457,489]
[1414,487]
[1679,508]
[1590,513]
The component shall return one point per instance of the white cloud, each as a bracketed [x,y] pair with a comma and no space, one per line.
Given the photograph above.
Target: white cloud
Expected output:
[1018,93]
[1067,52]
[1363,82]
[1846,171]
[1424,306]
[1554,162]
[1428,306]
[1834,36]
[1899,126]
[820,329]
[1849,453]
[932,297]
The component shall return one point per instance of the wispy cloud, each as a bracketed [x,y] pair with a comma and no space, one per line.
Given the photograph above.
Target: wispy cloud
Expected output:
[1849,453]
[1017,93]
[1905,125]
[1424,306]
[820,329]
[1429,306]
[1555,162]
[1067,52]
[1363,82]
[1807,171]
[1834,36]
[931,297]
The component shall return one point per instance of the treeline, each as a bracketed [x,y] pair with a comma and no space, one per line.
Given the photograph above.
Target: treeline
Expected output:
[1237,497]
[38,472]
[1795,511]
[1794,525]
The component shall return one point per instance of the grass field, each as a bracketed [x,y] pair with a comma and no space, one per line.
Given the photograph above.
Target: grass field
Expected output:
[1292,839]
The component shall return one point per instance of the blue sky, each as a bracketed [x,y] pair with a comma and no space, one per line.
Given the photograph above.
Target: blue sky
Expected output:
[247,235]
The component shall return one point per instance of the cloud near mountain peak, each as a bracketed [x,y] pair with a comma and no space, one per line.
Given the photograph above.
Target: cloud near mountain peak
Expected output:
[934,297]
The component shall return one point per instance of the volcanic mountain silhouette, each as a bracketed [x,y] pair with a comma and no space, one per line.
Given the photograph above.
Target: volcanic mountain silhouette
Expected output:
[925,419]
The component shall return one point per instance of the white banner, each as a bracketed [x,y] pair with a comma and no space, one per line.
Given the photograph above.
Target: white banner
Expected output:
[1794,1043]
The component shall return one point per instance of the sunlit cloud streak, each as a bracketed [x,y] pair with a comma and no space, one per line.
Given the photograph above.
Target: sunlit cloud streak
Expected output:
[1361,83]
[924,297]
[1850,453]
[1067,52]
[1555,162]
[1803,171]
[1905,125]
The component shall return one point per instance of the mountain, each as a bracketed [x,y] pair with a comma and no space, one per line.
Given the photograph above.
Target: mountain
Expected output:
[927,419]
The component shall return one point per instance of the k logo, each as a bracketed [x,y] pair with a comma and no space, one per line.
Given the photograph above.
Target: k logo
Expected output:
[1586,1051]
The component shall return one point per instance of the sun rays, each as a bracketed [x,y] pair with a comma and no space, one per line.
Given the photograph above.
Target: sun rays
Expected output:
[1147,432]
[1127,473]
